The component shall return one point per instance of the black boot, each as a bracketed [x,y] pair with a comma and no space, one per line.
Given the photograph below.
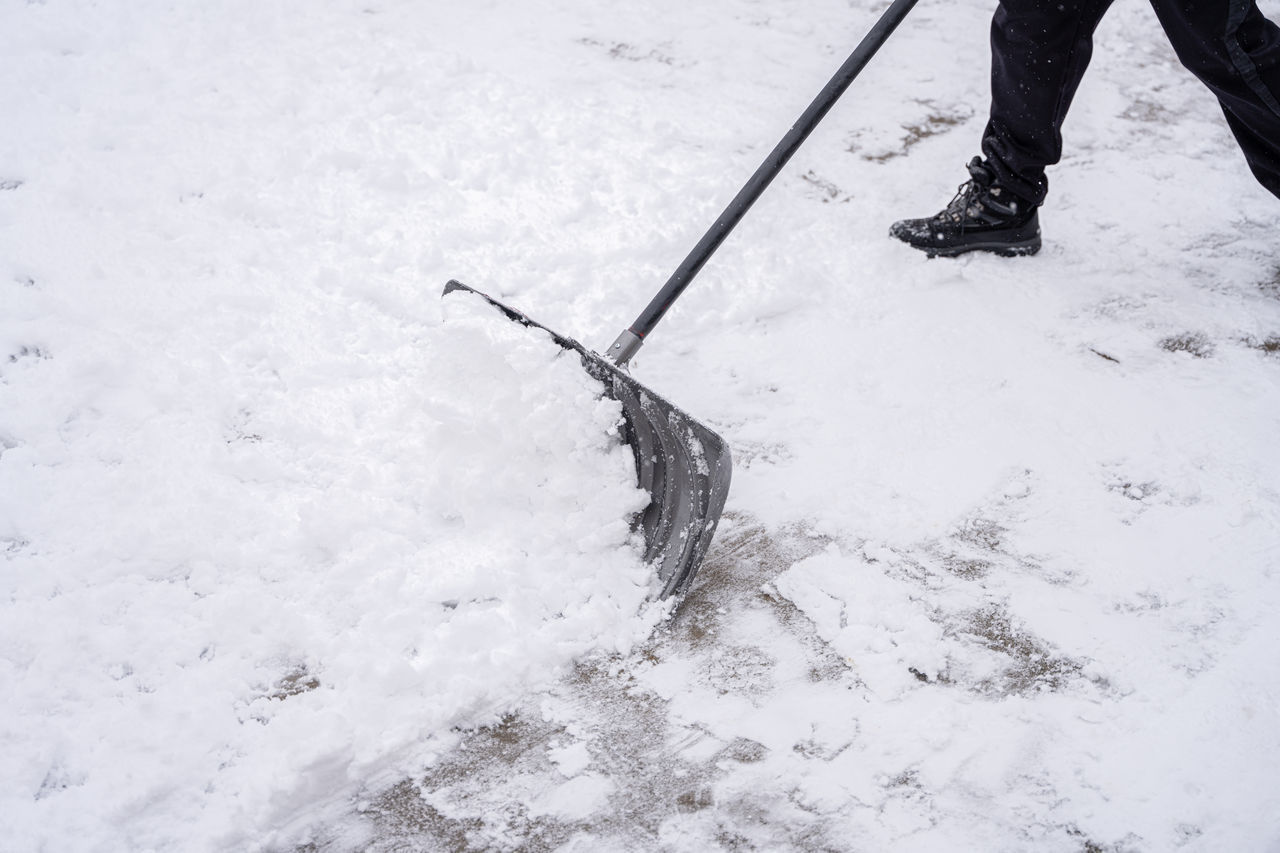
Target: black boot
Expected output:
[983,215]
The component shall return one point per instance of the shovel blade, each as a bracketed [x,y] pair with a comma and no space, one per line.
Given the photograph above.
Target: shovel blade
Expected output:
[683,465]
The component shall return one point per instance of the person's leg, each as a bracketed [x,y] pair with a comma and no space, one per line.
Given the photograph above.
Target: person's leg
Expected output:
[1039,52]
[1235,51]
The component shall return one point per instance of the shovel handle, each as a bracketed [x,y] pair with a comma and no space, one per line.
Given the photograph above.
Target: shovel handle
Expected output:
[629,342]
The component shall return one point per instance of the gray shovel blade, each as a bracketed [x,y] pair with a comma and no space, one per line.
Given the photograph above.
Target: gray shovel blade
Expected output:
[684,466]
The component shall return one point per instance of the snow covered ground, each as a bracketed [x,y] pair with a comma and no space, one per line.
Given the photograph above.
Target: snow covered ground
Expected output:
[296,556]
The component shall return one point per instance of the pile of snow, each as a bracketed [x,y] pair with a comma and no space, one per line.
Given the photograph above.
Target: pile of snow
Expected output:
[223,603]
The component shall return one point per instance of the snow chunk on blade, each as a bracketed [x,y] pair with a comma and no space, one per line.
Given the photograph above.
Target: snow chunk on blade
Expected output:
[683,465]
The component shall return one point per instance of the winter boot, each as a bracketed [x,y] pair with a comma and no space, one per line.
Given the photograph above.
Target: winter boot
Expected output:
[983,216]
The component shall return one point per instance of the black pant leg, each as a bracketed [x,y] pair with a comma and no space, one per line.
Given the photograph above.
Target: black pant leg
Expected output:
[1235,51]
[1039,52]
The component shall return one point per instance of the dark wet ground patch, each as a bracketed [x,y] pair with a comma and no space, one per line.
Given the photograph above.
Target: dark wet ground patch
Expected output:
[825,189]
[295,682]
[1030,664]
[936,121]
[1269,345]
[1194,344]
[1270,286]
[630,52]
[652,774]
[479,796]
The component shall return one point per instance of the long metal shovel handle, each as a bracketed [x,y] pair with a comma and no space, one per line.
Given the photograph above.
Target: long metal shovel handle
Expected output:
[630,341]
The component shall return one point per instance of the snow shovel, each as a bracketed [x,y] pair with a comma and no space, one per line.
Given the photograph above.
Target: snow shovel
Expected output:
[683,465]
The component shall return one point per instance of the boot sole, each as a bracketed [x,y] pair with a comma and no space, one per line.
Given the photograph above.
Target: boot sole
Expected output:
[1004,250]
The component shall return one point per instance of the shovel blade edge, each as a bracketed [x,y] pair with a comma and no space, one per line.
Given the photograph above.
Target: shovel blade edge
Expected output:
[682,464]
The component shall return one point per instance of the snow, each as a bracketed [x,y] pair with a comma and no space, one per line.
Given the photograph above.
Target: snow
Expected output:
[297,553]
[212,589]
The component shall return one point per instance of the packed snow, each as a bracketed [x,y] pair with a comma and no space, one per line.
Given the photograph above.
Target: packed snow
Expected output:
[298,555]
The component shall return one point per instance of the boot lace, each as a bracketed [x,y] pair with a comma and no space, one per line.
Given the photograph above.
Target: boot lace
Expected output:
[977,201]
[967,203]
